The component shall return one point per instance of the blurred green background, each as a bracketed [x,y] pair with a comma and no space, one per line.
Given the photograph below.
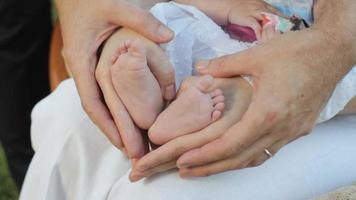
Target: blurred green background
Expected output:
[8,190]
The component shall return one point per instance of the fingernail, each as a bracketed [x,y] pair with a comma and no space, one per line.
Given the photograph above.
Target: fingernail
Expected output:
[201,65]
[170,92]
[134,177]
[164,32]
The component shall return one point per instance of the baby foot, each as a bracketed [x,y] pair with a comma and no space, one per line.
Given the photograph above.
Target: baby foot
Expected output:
[135,84]
[193,110]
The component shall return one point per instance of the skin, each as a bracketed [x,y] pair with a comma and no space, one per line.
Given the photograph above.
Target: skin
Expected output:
[241,12]
[85,25]
[236,104]
[135,140]
[279,113]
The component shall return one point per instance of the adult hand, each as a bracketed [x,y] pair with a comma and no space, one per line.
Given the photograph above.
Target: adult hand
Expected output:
[85,25]
[237,98]
[135,142]
[292,82]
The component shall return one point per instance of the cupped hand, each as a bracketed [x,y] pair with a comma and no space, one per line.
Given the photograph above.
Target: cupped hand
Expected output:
[237,98]
[134,140]
[292,82]
[85,25]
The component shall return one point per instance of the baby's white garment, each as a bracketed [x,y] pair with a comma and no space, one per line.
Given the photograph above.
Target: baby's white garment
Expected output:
[75,161]
[199,38]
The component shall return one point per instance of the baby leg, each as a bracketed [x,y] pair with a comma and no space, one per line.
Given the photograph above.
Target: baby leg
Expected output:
[135,84]
[196,106]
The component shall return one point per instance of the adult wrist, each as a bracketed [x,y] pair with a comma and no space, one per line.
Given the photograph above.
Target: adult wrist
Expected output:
[340,45]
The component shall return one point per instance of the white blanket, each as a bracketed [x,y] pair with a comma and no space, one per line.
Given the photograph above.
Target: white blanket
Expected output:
[75,161]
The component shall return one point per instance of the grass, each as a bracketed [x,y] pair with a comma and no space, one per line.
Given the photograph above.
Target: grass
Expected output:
[8,190]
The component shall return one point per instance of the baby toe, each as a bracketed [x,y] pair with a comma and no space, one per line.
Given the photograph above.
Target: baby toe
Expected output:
[204,83]
[216,115]
[219,106]
[216,93]
[218,99]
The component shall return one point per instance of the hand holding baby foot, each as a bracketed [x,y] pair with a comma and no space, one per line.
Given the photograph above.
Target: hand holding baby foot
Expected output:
[135,84]
[194,109]
[134,141]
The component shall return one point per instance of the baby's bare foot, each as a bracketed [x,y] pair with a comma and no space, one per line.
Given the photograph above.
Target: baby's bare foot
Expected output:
[135,84]
[194,109]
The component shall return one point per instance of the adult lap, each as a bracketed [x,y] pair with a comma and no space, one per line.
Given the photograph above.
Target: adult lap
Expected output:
[306,168]
[74,160]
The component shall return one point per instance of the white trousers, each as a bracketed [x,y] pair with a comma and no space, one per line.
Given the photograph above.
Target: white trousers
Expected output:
[75,161]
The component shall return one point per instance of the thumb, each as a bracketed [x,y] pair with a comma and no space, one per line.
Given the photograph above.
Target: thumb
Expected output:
[228,66]
[141,21]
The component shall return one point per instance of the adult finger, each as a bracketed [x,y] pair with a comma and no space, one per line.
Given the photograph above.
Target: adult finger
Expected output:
[132,139]
[237,161]
[141,21]
[273,149]
[242,63]
[163,70]
[173,149]
[136,175]
[234,141]
[264,157]
[93,105]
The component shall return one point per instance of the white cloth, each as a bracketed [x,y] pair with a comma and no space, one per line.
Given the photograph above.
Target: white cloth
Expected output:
[199,38]
[74,161]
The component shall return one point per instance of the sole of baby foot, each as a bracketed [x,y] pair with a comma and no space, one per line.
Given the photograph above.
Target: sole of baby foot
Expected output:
[194,109]
[135,84]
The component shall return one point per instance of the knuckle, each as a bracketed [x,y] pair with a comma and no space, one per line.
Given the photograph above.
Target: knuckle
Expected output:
[222,62]
[276,113]
[230,149]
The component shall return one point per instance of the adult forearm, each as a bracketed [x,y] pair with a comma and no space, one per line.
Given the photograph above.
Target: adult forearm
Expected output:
[336,20]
